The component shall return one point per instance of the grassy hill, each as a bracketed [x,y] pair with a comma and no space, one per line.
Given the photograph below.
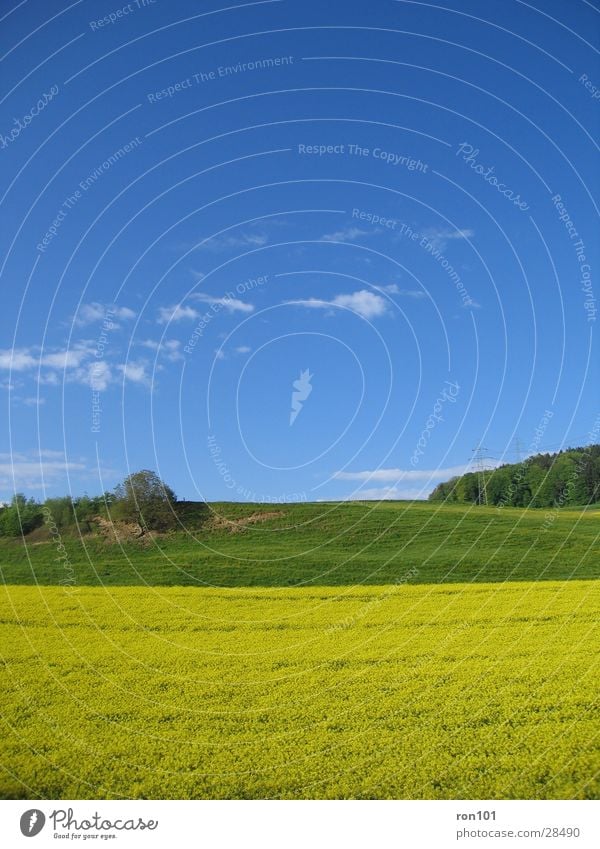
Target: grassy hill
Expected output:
[329,544]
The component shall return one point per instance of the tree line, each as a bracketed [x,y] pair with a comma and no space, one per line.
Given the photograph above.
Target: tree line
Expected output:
[142,499]
[566,478]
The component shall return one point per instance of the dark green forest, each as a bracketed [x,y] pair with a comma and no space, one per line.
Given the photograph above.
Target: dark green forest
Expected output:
[567,478]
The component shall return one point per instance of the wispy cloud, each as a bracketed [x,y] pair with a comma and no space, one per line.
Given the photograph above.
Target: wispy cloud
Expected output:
[184,312]
[395,475]
[69,359]
[394,289]
[234,241]
[416,294]
[347,234]
[170,349]
[95,313]
[135,372]
[32,401]
[98,375]
[77,365]
[230,304]
[47,469]
[27,359]
[387,493]
[364,303]
[439,237]
[178,312]
[17,359]
[33,471]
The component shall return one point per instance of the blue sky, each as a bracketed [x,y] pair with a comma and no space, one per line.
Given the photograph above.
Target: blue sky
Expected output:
[295,250]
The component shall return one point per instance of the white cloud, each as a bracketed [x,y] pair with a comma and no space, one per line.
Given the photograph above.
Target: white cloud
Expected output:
[347,234]
[51,454]
[178,312]
[400,474]
[364,303]
[125,312]
[98,376]
[89,313]
[387,493]
[95,312]
[230,304]
[135,372]
[47,469]
[81,365]
[234,242]
[394,289]
[17,359]
[74,363]
[439,237]
[34,471]
[395,475]
[417,294]
[62,360]
[242,349]
[24,359]
[49,378]
[167,348]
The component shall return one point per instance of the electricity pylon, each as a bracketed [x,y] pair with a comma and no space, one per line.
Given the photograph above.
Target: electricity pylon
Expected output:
[518,449]
[479,456]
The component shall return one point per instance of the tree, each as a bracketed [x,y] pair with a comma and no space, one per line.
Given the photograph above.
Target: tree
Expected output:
[498,487]
[21,517]
[87,509]
[445,491]
[145,499]
[61,511]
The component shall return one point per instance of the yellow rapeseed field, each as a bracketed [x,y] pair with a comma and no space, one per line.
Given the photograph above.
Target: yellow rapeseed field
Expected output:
[447,691]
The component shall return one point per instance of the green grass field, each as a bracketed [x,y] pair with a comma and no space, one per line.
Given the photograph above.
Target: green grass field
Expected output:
[345,650]
[460,691]
[331,545]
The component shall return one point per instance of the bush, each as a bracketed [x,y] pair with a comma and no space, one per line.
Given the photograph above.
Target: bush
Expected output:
[21,517]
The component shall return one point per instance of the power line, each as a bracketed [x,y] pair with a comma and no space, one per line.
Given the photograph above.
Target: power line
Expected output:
[548,448]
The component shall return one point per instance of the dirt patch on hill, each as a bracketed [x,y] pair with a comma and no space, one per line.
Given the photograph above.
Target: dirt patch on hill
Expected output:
[236,526]
[121,532]
[38,536]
